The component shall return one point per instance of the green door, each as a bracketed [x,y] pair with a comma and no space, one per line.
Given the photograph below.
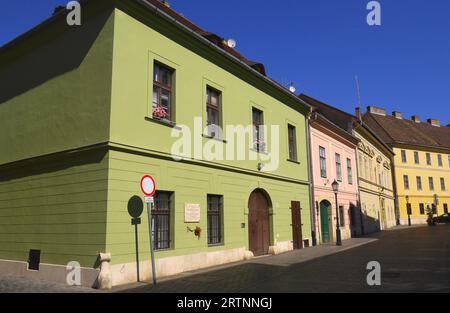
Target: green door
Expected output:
[324,222]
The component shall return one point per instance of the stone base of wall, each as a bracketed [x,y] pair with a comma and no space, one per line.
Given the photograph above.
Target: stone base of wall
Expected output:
[281,247]
[122,274]
[414,221]
[48,272]
[127,273]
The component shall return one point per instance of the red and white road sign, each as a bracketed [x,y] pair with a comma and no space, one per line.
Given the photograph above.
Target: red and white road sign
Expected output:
[148,186]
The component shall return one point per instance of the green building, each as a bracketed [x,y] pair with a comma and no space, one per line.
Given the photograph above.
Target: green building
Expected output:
[86,111]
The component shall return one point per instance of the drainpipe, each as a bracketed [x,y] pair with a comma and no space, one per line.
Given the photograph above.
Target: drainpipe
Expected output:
[359,193]
[311,179]
[394,187]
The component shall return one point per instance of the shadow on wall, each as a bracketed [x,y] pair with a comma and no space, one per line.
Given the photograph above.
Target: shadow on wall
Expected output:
[52,164]
[43,59]
[361,223]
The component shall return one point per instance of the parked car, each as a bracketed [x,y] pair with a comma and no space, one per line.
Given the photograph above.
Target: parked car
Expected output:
[443,219]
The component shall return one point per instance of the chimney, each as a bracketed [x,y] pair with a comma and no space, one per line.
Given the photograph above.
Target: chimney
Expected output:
[397,115]
[358,113]
[166,3]
[434,122]
[375,110]
[416,118]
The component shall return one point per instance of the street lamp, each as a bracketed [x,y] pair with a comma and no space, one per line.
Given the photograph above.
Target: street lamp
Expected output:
[335,186]
[408,208]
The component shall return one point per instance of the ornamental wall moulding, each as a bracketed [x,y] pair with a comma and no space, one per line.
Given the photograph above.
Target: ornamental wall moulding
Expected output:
[379,159]
[387,165]
[366,149]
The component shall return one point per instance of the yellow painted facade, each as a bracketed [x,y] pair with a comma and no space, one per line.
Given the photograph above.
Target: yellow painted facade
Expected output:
[426,177]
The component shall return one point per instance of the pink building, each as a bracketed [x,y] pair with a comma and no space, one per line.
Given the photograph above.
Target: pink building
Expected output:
[333,153]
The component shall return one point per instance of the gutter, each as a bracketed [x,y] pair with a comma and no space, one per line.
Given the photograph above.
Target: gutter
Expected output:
[312,197]
[224,53]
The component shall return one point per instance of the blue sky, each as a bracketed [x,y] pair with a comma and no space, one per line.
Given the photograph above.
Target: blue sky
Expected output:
[321,45]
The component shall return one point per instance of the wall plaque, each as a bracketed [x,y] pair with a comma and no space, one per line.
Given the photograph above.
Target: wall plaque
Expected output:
[191,213]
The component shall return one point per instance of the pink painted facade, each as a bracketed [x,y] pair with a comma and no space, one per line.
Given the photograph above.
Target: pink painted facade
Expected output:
[329,147]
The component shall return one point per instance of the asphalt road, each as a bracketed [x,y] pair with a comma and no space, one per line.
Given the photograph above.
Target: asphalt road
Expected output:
[411,260]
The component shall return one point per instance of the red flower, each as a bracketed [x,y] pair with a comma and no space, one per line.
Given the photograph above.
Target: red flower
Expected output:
[160,112]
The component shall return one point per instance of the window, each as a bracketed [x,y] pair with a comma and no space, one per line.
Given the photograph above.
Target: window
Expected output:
[380,179]
[416,157]
[215,212]
[341,216]
[349,171]
[404,160]
[360,164]
[366,169]
[323,162]
[428,159]
[406,181]
[409,208]
[213,111]
[445,208]
[431,183]
[443,184]
[449,160]
[292,137]
[162,92]
[258,130]
[161,220]
[440,163]
[338,167]
[419,183]
[370,170]
[422,208]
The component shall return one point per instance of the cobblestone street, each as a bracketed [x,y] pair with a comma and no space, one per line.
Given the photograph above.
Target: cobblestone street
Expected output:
[412,260]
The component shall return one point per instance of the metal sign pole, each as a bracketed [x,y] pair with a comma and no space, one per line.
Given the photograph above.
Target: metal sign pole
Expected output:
[150,231]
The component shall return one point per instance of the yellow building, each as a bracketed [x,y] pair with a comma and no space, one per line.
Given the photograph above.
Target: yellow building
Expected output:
[421,163]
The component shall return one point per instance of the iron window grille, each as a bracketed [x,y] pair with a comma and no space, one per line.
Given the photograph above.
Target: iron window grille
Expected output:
[161,220]
[215,212]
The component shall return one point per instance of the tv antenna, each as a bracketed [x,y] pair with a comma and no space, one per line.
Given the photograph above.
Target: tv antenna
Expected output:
[358,91]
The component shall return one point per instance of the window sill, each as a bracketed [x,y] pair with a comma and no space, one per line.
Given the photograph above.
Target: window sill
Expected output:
[294,161]
[215,138]
[259,151]
[163,122]
[216,245]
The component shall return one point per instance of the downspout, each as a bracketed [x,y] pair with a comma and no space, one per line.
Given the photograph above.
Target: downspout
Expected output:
[359,193]
[353,130]
[394,181]
[311,179]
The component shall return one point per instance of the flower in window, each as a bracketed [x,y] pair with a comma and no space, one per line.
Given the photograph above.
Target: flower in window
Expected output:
[260,145]
[160,112]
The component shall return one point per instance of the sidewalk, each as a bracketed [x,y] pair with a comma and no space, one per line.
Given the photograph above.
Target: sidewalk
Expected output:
[256,267]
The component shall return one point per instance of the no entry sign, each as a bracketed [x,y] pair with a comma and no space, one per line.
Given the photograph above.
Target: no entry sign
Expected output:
[148,186]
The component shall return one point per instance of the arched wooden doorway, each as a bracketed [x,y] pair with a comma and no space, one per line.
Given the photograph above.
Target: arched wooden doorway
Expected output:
[258,223]
[325,221]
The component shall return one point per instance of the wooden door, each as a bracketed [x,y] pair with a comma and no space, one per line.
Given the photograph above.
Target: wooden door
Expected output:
[297,225]
[324,222]
[258,224]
